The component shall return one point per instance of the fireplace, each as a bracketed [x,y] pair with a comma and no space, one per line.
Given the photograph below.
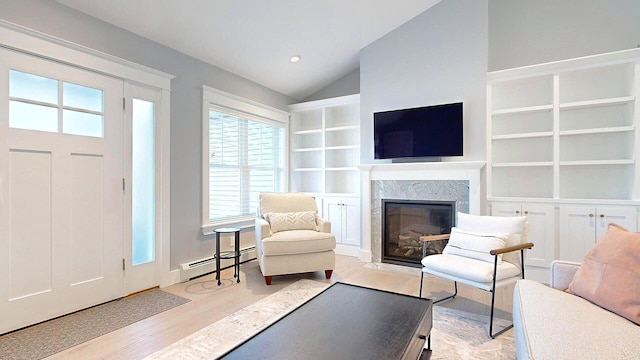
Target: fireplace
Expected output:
[404,221]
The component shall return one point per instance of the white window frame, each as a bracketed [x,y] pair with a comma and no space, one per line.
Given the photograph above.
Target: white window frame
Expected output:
[236,105]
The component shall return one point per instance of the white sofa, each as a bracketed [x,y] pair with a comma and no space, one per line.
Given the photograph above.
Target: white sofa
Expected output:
[288,245]
[550,323]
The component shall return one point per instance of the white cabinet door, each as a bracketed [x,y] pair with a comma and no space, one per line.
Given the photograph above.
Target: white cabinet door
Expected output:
[351,221]
[625,217]
[577,232]
[581,226]
[332,211]
[541,221]
[506,209]
[344,214]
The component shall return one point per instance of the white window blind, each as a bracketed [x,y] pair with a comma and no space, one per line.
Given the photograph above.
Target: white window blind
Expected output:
[246,157]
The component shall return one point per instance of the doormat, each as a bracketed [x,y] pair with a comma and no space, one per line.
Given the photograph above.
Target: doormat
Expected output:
[50,337]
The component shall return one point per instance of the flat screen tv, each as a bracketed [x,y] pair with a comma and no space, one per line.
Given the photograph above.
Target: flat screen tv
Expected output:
[424,132]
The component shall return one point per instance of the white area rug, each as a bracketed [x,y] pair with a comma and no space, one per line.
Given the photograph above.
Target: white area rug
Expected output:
[455,334]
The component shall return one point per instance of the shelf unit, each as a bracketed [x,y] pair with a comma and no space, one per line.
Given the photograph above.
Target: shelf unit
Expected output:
[565,130]
[325,146]
[325,154]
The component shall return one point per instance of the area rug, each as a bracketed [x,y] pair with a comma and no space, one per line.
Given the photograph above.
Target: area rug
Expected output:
[50,337]
[455,334]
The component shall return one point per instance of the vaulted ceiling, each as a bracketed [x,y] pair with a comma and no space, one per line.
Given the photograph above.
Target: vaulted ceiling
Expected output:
[256,38]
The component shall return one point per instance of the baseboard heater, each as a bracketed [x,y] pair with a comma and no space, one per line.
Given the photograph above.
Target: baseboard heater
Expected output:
[207,265]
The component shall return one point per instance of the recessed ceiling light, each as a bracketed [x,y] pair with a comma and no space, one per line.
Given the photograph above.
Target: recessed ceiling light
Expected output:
[295,58]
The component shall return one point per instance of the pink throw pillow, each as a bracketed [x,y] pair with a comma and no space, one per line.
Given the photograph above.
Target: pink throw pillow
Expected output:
[609,276]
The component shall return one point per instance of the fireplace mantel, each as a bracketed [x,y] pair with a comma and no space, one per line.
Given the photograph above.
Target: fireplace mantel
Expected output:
[423,171]
[470,171]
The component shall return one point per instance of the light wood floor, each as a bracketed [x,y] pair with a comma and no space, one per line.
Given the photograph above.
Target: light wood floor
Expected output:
[210,303]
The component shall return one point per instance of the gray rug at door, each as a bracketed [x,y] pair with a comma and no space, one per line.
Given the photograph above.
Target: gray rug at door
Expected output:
[53,336]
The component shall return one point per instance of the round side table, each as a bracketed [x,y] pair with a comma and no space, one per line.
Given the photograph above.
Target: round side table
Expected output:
[235,254]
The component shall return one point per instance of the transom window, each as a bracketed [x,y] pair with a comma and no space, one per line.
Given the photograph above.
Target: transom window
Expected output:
[44,104]
[245,155]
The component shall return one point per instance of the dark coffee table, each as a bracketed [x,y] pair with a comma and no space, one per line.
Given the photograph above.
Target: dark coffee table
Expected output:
[346,322]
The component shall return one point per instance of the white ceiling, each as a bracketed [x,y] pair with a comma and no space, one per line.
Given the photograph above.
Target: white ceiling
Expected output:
[256,38]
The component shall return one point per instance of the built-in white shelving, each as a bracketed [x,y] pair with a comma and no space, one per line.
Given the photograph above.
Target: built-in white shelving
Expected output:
[325,146]
[325,154]
[565,130]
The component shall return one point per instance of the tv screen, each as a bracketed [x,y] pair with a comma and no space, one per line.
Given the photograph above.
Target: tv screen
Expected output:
[430,131]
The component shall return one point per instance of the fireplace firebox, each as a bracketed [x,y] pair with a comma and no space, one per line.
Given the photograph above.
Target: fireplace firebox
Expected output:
[404,221]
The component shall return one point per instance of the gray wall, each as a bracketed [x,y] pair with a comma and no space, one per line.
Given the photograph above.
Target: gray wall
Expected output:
[187,242]
[440,56]
[526,32]
[346,85]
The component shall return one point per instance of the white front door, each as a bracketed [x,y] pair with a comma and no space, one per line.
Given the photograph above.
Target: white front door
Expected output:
[61,189]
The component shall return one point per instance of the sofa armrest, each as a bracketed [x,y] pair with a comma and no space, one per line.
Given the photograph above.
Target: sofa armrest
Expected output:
[262,228]
[562,273]
[324,225]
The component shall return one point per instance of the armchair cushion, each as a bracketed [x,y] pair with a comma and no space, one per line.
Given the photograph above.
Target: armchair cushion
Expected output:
[475,245]
[515,227]
[298,242]
[610,273]
[304,220]
[467,268]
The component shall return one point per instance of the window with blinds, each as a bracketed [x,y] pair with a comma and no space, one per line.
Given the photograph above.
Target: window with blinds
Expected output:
[246,157]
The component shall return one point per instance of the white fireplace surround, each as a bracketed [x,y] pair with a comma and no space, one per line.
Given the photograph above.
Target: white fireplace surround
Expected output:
[470,171]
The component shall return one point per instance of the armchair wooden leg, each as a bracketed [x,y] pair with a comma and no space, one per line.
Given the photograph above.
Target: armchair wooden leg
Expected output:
[267,279]
[328,273]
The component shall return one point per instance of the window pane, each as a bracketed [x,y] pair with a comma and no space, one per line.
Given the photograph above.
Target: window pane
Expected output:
[224,141]
[224,191]
[82,97]
[79,123]
[32,117]
[143,182]
[246,157]
[33,87]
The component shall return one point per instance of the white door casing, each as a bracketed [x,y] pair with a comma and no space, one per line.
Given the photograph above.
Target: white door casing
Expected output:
[61,206]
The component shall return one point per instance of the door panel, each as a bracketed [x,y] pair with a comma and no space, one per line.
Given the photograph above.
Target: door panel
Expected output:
[29,185]
[60,194]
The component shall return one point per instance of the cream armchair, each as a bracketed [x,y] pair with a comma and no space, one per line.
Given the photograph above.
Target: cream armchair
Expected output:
[290,236]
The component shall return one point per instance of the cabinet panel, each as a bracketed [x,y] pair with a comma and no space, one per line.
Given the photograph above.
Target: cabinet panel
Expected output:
[332,211]
[541,219]
[344,214]
[625,217]
[581,226]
